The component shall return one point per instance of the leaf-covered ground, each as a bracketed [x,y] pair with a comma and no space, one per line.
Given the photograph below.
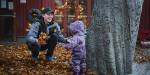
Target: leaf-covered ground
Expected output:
[142,55]
[16,60]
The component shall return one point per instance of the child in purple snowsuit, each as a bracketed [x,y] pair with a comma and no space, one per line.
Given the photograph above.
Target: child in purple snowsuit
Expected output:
[77,45]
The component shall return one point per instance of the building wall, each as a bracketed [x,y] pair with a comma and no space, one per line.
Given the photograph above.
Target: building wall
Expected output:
[144,31]
[21,10]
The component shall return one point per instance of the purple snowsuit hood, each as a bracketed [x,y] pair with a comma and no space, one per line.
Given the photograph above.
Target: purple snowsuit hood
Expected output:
[77,27]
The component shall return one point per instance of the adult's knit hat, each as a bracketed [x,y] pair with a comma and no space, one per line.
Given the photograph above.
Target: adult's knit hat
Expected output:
[47,11]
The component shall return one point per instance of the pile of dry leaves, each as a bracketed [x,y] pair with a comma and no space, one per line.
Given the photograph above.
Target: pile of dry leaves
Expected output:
[140,56]
[16,60]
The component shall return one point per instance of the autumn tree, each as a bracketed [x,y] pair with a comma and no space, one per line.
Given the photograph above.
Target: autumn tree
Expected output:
[111,38]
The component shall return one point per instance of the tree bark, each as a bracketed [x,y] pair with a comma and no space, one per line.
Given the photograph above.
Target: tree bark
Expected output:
[111,38]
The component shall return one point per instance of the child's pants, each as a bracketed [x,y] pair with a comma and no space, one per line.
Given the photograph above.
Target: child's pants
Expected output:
[78,65]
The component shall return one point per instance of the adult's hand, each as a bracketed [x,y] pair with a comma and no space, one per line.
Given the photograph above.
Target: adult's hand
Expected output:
[41,41]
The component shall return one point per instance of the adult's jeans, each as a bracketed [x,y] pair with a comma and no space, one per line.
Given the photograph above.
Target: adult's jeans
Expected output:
[35,47]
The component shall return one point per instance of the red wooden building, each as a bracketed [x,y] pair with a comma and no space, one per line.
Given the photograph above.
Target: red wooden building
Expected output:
[14,22]
[13,14]
[144,27]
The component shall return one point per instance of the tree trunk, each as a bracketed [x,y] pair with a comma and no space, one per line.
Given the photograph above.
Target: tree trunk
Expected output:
[111,38]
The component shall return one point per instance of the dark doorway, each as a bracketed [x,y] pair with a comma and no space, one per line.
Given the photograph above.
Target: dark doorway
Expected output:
[6,20]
